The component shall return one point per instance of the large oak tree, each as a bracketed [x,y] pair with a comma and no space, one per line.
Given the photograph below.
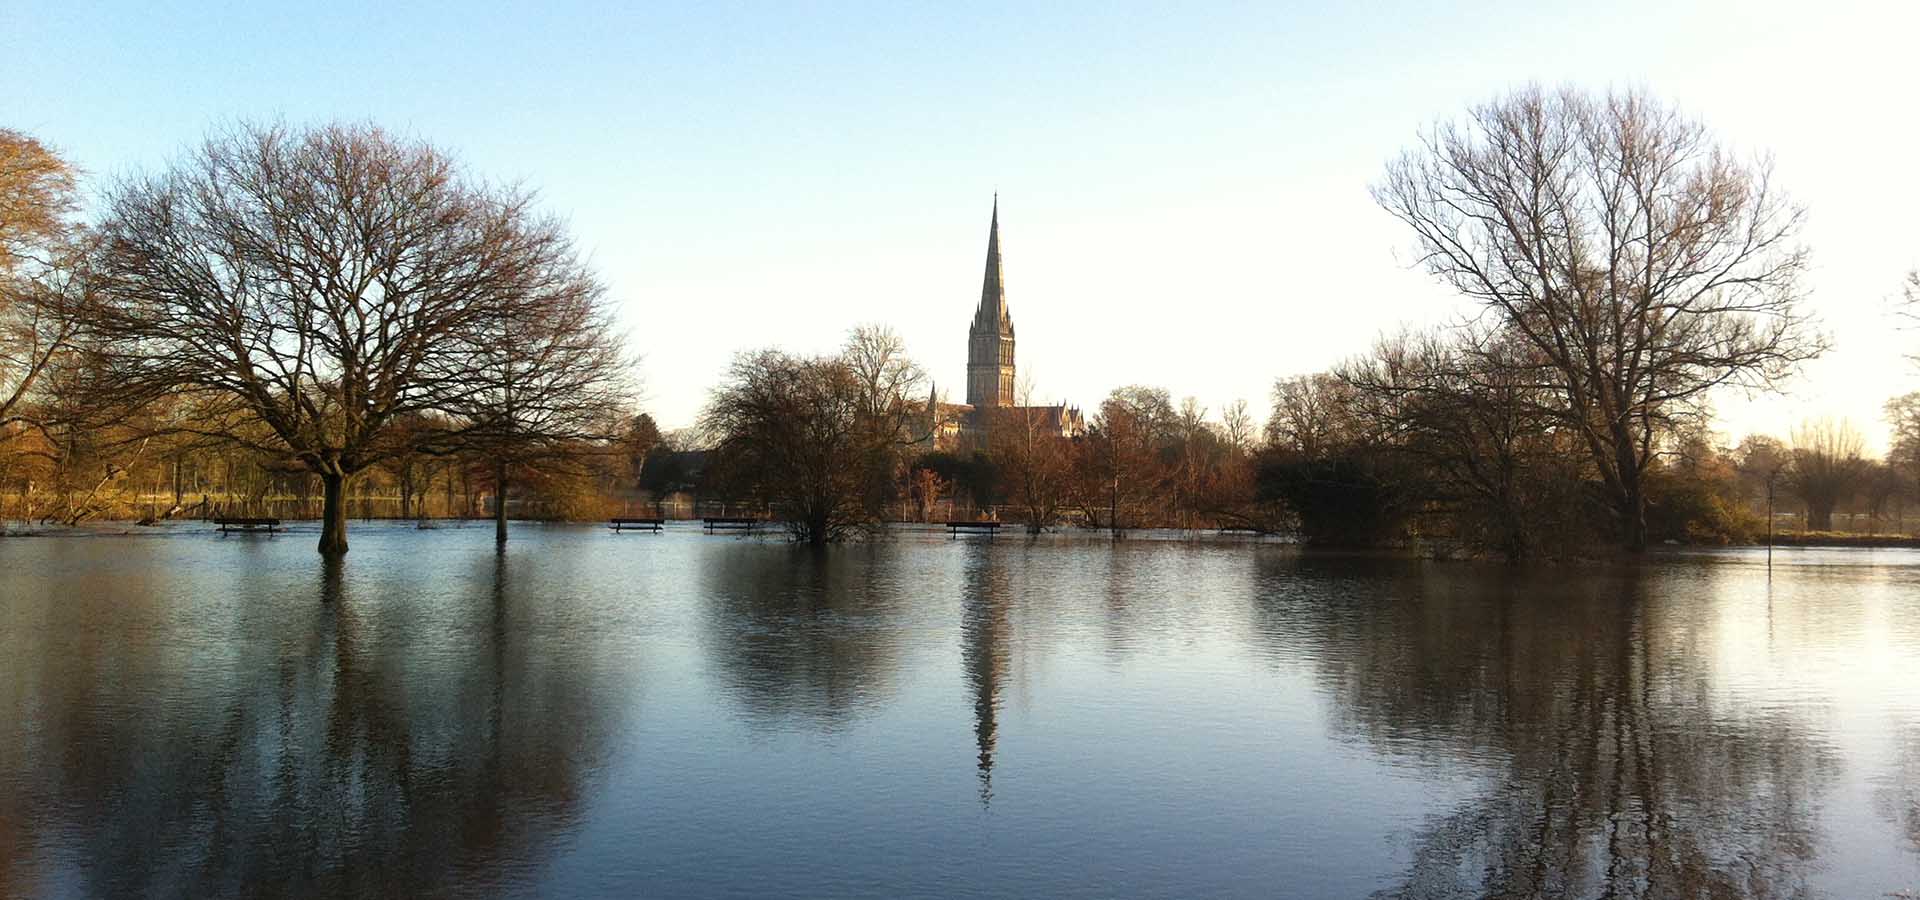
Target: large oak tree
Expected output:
[1642,263]
[339,284]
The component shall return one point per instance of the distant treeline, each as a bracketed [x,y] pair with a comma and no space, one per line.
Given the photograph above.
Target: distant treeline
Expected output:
[98,474]
[339,320]
[1392,449]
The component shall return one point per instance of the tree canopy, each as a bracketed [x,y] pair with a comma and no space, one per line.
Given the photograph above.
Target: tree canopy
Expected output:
[1641,262]
[331,283]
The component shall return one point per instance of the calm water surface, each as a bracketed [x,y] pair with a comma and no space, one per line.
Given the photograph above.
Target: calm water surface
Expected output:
[691,716]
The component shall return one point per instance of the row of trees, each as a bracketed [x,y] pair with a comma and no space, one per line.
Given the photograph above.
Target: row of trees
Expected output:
[1400,444]
[837,444]
[1141,462]
[1624,265]
[335,299]
[339,300]
[1823,466]
[117,473]
[1410,442]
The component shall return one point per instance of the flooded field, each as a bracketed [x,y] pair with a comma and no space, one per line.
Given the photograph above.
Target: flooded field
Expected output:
[680,715]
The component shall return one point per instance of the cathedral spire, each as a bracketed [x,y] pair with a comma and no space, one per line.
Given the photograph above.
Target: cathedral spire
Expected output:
[993,290]
[990,340]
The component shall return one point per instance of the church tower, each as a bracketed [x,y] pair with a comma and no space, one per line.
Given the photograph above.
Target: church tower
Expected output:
[990,340]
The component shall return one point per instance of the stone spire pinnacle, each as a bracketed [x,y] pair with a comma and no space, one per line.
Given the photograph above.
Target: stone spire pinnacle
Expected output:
[993,290]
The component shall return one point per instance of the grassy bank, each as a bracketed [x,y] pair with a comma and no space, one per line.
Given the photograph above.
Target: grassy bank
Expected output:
[1841,539]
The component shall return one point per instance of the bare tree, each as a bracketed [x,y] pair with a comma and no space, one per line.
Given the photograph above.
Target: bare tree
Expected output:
[1463,404]
[1132,426]
[889,378]
[1035,459]
[1198,447]
[1762,462]
[816,438]
[1331,467]
[327,282]
[891,387]
[1312,414]
[37,201]
[924,487]
[1883,485]
[1903,415]
[550,382]
[1762,456]
[42,274]
[1237,428]
[1826,468]
[1640,261]
[1910,308]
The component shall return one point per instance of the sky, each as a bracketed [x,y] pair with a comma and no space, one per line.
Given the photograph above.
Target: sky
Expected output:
[1183,187]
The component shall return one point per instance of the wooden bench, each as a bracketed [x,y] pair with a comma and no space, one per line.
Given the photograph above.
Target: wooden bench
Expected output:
[730,523]
[653,525]
[955,529]
[237,523]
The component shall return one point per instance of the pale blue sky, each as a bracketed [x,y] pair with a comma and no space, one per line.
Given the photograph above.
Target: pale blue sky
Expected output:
[1183,187]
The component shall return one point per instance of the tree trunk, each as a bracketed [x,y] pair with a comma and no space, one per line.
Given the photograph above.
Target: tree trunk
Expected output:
[1819,516]
[333,514]
[500,502]
[1631,494]
[1635,515]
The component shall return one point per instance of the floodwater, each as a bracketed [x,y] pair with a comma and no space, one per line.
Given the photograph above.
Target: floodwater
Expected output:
[681,715]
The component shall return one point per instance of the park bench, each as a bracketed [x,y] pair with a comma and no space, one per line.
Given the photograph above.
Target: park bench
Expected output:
[988,528]
[730,523]
[619,523]
[239,523]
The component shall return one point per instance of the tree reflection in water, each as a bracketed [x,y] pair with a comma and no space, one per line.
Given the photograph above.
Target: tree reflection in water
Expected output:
[1898,793]
[331,758]
[1614,771]
[804,637]
[199,717]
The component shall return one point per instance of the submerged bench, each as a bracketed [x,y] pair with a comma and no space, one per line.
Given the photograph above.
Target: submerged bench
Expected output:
[730,523]
[235,523]
[980,527]
[642,524]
